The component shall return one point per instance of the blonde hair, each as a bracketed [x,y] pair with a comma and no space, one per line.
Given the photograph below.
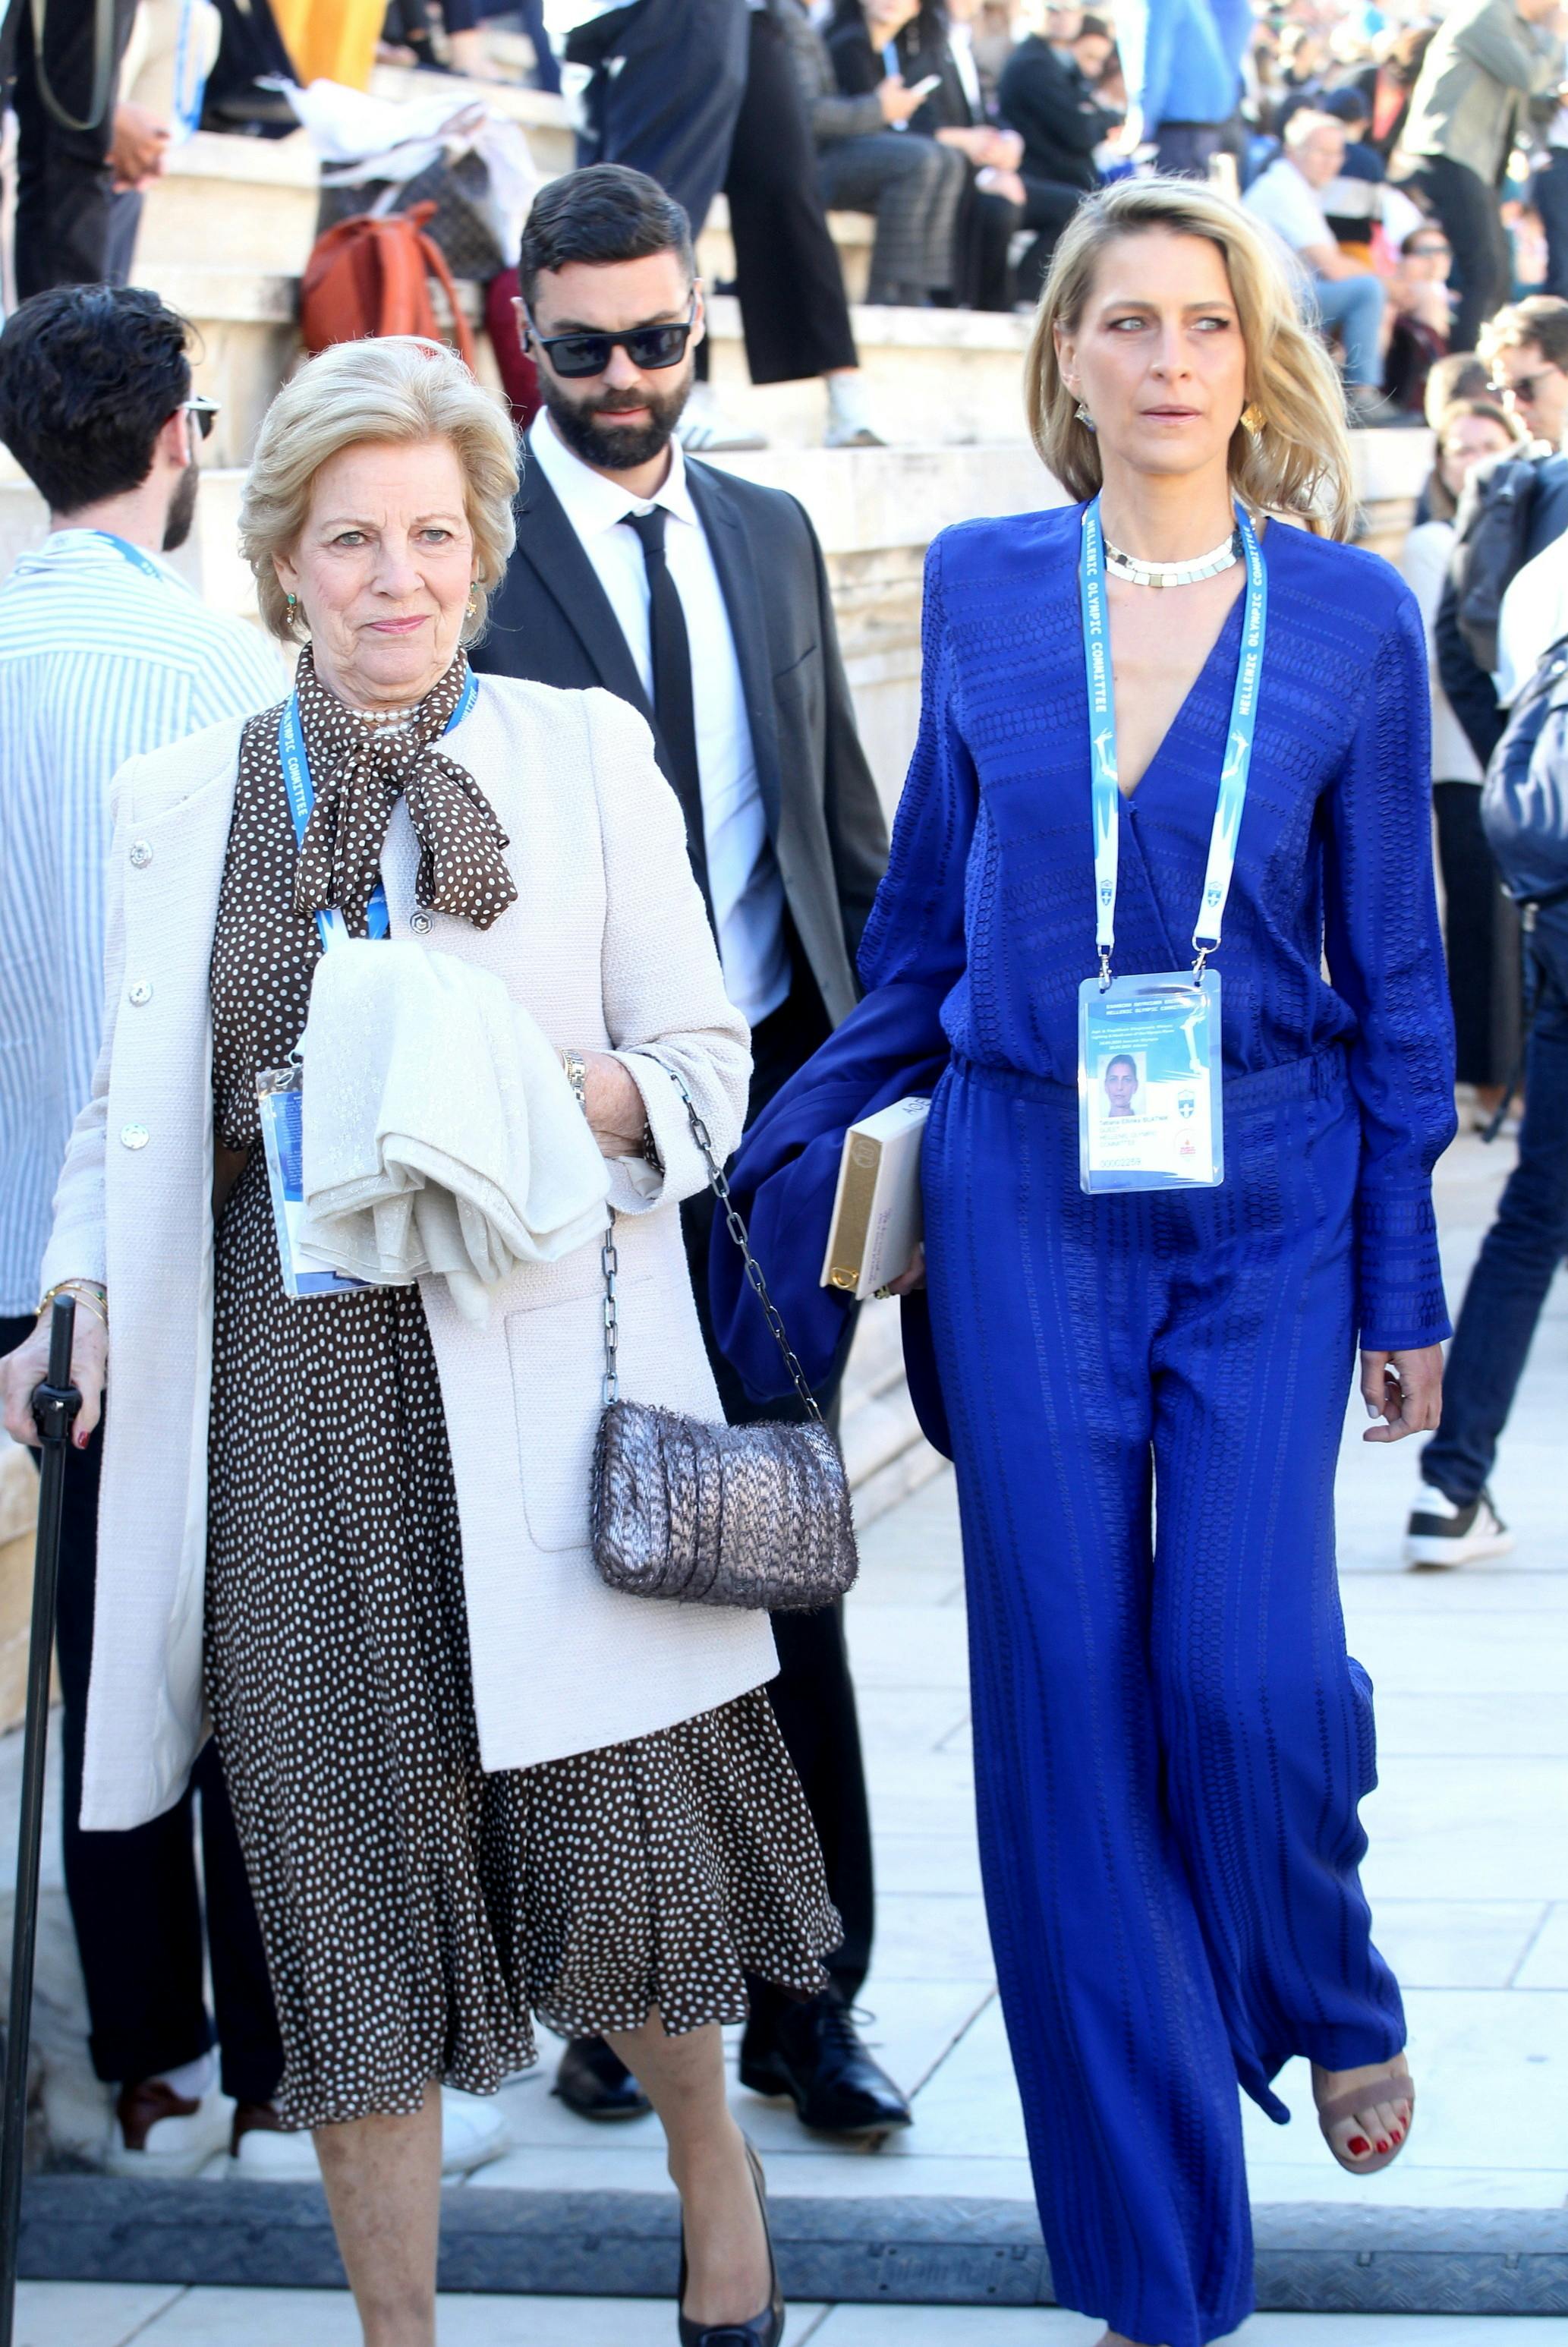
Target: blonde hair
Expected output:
[1297,460]
[394,388]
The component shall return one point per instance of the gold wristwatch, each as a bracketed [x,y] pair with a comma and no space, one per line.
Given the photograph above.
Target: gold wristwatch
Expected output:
[576,1068]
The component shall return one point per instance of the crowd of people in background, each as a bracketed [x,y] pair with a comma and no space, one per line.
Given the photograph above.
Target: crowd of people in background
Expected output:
[1414,164]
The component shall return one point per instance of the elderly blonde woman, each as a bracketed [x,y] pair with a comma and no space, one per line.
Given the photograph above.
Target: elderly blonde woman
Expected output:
[472,1783]
[1145,1375]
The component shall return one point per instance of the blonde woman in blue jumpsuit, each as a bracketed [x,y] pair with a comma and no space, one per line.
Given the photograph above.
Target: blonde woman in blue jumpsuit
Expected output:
[1171,1741]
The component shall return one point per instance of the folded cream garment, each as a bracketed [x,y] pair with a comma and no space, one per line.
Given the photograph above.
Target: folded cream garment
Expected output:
[439,1133]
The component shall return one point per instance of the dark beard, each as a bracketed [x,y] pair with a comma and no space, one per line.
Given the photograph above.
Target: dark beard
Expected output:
[181,510]
[616,450]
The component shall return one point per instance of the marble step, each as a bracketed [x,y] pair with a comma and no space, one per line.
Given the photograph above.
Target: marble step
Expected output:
[230,203]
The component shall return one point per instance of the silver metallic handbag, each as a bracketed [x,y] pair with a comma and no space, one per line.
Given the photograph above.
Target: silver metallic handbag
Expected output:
[755,1516]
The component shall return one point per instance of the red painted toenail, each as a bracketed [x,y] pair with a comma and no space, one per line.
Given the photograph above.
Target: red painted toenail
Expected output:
[1381,2144]
[1358,2144]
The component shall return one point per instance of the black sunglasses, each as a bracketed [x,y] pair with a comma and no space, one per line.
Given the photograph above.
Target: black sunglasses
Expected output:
[203,413]
[647,347]
[1524,389]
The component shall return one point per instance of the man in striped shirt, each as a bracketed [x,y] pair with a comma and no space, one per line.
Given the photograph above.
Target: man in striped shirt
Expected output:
[105,651]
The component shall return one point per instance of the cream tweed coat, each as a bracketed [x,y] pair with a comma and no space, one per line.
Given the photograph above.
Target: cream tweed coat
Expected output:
[608,947]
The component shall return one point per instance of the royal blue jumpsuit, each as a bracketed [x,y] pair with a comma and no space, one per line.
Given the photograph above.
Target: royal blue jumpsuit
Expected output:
[1146,1393]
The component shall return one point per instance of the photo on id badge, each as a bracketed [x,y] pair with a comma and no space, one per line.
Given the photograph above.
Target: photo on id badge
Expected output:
[1148,1116]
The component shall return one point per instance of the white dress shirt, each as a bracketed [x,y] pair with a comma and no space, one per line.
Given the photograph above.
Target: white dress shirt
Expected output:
[1532,615]
[743,881]
[961,49]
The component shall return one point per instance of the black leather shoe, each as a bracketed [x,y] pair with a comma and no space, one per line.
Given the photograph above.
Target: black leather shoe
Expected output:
[812,2053]
[595,2083]
[764,2330]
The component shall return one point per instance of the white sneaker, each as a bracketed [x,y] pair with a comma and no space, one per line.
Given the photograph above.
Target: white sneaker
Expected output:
[157,2132]
[474,2130]
[1442,1533]
[705,428]
[841,434]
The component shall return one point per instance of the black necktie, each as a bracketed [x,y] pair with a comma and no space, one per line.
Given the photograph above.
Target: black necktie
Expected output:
[672,703]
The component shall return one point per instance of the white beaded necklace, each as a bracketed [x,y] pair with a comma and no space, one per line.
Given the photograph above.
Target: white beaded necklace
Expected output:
[1174,574]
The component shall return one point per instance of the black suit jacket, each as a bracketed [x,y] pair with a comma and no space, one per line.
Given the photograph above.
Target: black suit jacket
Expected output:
[551,621]
[1044,97]
[1473,696]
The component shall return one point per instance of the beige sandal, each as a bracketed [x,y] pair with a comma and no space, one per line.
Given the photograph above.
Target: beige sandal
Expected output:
[1339,2107]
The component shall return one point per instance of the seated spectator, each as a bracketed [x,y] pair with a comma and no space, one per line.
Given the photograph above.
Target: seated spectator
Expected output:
[1549,195]
[1464,375]
[1046,97]
[1353,203]
[867,162]
[1386,85]
[1096,56]
[1303,73]
[934,45]
[1286,197]
[1420,315]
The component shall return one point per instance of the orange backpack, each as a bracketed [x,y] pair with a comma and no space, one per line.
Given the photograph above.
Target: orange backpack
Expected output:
[370,275]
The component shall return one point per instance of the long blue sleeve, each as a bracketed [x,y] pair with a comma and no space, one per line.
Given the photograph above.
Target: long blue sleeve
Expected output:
[917,927]
[1384,950]
[891,1046]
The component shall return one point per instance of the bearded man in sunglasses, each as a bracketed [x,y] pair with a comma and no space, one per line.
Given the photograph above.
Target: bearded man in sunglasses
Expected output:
[702,599]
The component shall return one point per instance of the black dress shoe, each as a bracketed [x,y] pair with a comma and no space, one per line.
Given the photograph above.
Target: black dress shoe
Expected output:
[812,2053]
[595,2083]
[764,2330]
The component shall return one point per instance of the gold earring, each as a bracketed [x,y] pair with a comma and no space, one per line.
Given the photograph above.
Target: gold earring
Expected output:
[1253,418]
[472,605]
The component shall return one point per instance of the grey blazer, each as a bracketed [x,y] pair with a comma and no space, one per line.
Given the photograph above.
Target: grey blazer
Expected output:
[1483,66]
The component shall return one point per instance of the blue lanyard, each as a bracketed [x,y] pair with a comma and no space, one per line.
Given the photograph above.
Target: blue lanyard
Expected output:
[135,557]
[190,80]
[1233,770]
[301,792]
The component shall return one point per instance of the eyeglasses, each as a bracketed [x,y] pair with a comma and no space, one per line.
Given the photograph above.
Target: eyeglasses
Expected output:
[1426,252]
[203,413]
[650,348]
[1525,389]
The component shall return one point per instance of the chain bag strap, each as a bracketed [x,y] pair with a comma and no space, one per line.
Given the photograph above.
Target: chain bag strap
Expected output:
[754,1516]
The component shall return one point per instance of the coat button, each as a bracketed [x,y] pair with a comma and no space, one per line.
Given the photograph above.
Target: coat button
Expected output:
[140,993]
[134,1136]
[420,923]
[141,853]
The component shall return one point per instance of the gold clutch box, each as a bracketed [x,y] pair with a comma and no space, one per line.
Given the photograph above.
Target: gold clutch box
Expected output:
[877,1212]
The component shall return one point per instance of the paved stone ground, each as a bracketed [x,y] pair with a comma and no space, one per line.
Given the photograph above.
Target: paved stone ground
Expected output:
[1467,1875]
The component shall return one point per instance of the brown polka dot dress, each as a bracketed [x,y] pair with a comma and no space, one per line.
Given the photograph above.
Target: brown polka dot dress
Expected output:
[417,1911]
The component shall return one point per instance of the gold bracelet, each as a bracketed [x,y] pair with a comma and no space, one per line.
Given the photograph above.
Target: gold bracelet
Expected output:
[90,1292]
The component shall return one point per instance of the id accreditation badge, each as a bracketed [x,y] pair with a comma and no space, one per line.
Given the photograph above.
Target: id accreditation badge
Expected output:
[1150,1105]
[279,1096]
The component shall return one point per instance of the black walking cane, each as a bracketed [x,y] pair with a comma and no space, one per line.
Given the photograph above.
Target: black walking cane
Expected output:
[54,1404]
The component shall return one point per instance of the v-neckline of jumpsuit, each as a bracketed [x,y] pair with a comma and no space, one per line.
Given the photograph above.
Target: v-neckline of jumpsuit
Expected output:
[1223,645]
